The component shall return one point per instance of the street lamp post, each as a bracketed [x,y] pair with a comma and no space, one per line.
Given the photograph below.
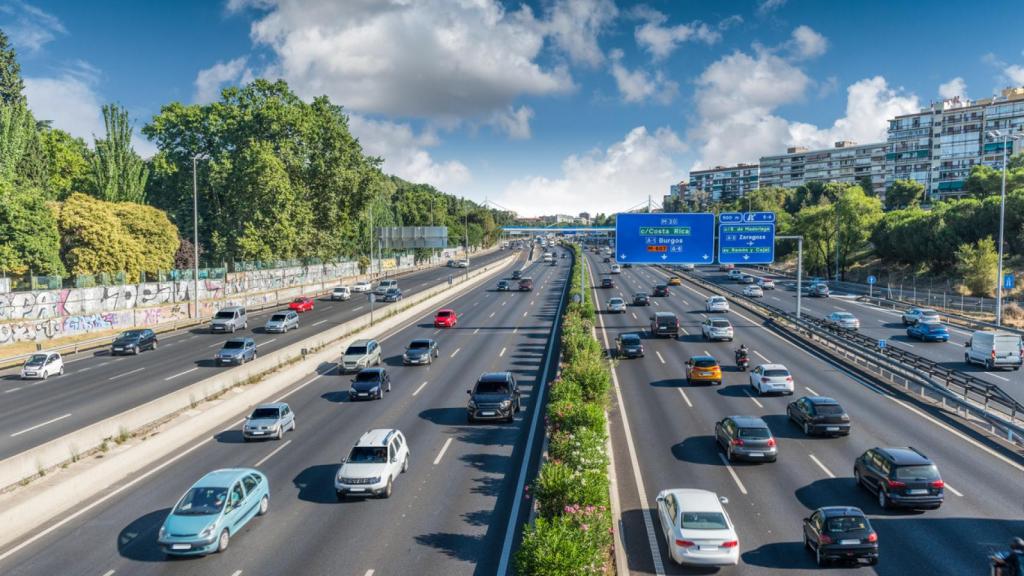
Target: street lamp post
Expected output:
[1006,137]
[195,234]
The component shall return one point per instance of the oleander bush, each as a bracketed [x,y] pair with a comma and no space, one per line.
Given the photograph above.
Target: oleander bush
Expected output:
[567,416]
[573,543]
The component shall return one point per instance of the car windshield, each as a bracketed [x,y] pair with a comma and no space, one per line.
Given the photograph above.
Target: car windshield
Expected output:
[202,501]
[487,387]
[717,299]
[355,350]
[828,409]
[36,359]
[234,344]
[847,524]
[368,455]
[298,301]
[660,287]
[844,316]
[372,376]
[419,345]
[615,301]
[224,314]
[264,414]
[704,521]
[131,334]
[929,313]
[631,340]
[922,472]
[278,317]
[705,363]
[776,373]
[641,295]
[755,433]
[720,324]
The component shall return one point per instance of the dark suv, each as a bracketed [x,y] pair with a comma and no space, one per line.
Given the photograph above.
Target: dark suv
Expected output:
[641,299]
[819,415]
[665,324]
[840,533]
[629,346]
[661,290]
[495,397]
[746,438]
[901,477]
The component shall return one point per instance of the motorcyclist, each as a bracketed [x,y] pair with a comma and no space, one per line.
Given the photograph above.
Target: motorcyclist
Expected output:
[1014,562]
[741,353]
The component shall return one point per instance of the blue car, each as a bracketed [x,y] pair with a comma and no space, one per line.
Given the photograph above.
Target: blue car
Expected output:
[236,351]
[928,332]
[213,510]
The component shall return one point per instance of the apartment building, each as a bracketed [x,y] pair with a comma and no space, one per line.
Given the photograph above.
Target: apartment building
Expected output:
[846,162]
[723,183]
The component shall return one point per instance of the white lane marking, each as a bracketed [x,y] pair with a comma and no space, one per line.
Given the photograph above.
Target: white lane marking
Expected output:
[659,356]
[762,357]
[706,353]
[685,397]
[420,387]
[531,302]
[267,457]
[492,315]
[109,573]
[775,298]
[129,373]
[998,376]
[456,352]
[634,315]
[524,314]
[86,369]
[258,344]
[357,308]
[953,490]
[51,421]
[822,466]
[368,573]
[756,401]
[503,302]
[236,573]
[502,353]
[181,374]
[437,331]
[656,303]
[320,322]
[684,330]
[811,390]
[210,346]
[515,330]
[903,343]
[743,489]
[703,315]
[443,450]
[685,303]
[475,331]
[12,390]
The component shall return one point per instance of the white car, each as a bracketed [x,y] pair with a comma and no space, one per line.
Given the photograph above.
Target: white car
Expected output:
[615,269]
[716,329]
[747,279]
[735,274]
[716,304]
[617,305]
[766,283]
[362,286]
[371,468]
[341,293]
[843,320]
[922,315]
[42,366]
[462,264]
[753,291]
[687,267]
[697,528]
[771,379]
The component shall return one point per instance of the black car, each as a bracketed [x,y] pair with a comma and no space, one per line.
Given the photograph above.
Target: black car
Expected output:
[661,290]
[840,533]
[627,265]
[607,283]
[629,346]
[902,477]
[370,383]
[607,259]
[420,351]
[641,299]
[517,274]
[504,286]
[495,397]
[819,415]
[133,342]
[665,324]
[746,438]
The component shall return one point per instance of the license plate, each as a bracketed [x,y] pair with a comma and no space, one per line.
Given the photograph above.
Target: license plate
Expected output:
[357,489]
[707,548]
[849,542]
[362,393]
[756,454]
[180,547]
[118,348]
[705,373]
[30,373]
[917,491]
[256,433]
[487,413]
[832,429]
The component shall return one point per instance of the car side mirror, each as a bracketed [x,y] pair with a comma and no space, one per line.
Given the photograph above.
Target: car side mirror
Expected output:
[967,344]
[723,499]
[394,459]
[660,498]
[469,391]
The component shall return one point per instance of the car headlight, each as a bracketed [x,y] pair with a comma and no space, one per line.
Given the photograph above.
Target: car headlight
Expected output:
[208,531]
[506,403]
[162,534]
[375,480]
[472,404]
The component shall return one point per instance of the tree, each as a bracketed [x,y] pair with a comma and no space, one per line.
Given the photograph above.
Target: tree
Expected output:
[117,173]
[985,181]
[28,233]
[11,84]
[93,239]
[152,232]
[17,129]
[67,160]
[904,194]
[977,264]
[857,214]
[866,185]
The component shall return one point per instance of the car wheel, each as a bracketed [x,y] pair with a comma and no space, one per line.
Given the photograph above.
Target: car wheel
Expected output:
[883,500]
[46,374]
[967,359]
[387,490]
[857,478]
[293,425]
[223,541]
[807,429]
[280,433]
[818,558]
[61,372]
[264,506]
[136,350]
[405,464]
[729,455]
[255,354]
[339,496]
[989,365]
[232,328]
[873,561]
[469,418]
[807,543]
[153,347]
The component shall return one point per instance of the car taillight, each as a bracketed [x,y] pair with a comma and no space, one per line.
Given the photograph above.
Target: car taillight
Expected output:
[824,539]
[789,378]
[771,442]
[736,442]
[895,484]
[730,544]
[872,537]
[684,543]
[938,484]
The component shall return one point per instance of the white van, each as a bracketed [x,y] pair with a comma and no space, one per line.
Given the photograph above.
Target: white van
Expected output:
[994,350]
[384,285]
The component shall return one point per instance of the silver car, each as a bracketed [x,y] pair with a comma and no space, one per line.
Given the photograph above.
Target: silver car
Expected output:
[843,320]
[920,315]
[282,321]
[716,329]
[360,354]
[269,421]
[229,319]
[341,293]
[617,305]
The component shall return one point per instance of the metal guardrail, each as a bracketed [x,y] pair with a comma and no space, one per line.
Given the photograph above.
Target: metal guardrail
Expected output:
[951,318]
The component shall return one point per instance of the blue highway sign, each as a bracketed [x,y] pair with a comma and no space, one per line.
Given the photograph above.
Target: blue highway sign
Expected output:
[872,279]
[746,238]
[665,238]
[735,217]
[1008,282]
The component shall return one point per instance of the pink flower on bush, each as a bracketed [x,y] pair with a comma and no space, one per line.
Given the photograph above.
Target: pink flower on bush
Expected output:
[584,527]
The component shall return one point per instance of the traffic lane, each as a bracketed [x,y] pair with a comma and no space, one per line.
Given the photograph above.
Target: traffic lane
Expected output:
[115,384]
[324,437]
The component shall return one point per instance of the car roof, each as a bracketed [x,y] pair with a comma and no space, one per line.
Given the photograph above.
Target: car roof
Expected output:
[223,477]
[371,371]
[494,377]
[821,400]
[695,500]
[774,367]
[904,455]
[749,421]
[240,339]
[277,405]
[833,511]
[360,342]
[664,315]
[421,340]
[377,437]
[629,335]
[703,357]
[227,308]
[716,297]
[445,310]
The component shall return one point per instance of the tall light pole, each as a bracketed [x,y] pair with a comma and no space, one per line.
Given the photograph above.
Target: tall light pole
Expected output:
[195,233]
[1006,137]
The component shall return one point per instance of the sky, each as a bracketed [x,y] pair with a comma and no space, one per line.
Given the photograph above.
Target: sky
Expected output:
[543,106]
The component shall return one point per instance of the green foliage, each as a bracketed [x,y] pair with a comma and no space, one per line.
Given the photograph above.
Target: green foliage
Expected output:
[566,545]
[567,415]
[845,215]
[66,160]
[117,174]
[153,234]
[579,450]
[559,486]
[591,373]
[977,264]
[17,129]
[11,84]
[904,194]
[985,181]
[29,239]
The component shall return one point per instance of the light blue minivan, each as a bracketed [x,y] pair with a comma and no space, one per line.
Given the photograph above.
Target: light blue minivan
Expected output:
[213,510]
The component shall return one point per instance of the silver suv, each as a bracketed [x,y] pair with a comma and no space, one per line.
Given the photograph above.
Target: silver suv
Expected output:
[229,319]
[360,354]
[372,466]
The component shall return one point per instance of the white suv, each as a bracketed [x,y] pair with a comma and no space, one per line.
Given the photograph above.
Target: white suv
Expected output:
[372,466]
[771,378]
[716,329]
[716,304]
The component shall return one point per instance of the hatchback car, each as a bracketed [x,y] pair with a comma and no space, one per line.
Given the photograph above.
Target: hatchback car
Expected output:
[747,279]
[378,457]
[915,315]
[665,324]
[607,283]
[819,290]
[282,321]
[362,286]
[661,290]
[133,342]
[42,366]
[615,269]
[504,286]
[901,477]
[517,274]
[675,281]
[766,283]
[840,533]
[616,305]
[302,304]
[525,284]
[641,299]
[269,421]
[843,320]
[446,318]
[819,415]
[236,351]
[213,510]
[392,295]
[736,275]
[420,351]
[370,384]
[629,346]
[716,304]
[746,438]
[360,354]
[494,397]
[697,528]
[753,291]
[341,293]
[703,369]
[928,332]
[771,379]
[716,329]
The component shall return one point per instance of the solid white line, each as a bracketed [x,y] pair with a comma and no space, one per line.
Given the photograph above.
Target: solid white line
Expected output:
[417,391]
[997,376]
[762,357]
[811,390]
[759,405]
[443,450]
[659,356]
[357,308]
[903,343]
[39,426]
[502,353]
[109,573]
[319,322]
[267,457]
[953,490]
[685,397]
[212,345]
[822,466]
[456,352]
[743,489]
[181,373]
[258,344]
[127,373]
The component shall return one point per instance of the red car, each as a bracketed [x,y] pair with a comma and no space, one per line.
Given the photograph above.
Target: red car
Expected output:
[446,318]
[302,304]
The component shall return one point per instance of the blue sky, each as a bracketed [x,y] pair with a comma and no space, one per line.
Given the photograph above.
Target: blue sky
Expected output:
[542,106]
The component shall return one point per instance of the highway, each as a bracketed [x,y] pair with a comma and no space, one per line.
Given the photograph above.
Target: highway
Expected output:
[670,445]
[448,513]
[882,324]
[97,385]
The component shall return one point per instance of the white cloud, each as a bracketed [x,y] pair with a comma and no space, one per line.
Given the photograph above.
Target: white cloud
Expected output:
[807,43]
[68,102]
[515,122]
[767,6]
[661,40]
[638,85]
[405,153]
[29,27]
[209,81]
[1015,74]
[574,25]
[607,180]
[955,88]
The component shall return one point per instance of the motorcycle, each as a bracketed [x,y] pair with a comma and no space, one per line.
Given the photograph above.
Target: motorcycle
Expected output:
[742,362]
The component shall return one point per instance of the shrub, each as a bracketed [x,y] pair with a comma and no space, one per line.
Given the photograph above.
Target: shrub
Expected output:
[568,545]
[564,391]
[571,416]
[558,486]
[592,376]
[580,450]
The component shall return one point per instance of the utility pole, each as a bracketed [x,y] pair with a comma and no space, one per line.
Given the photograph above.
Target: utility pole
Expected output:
[1006,137]
[195,235]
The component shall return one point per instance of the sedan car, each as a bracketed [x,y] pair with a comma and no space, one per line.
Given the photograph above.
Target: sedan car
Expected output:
[661,290]
[370,383]
[607,283]
[716,304]
[517,274]
[269,421]
[753,291]
[697,528]
[747,279]
[703,369]
[771,379]
[236,351]
[42,366]
[616,305]
[629,346]
[133,342]
[420,351]
[902,477]
[819,415]
[341,293]
[641,299]
[716,329]
[817,290]
[302,304]
[736,275]
[392,295]
[746,438]
[766,283]
[840,533]
[928,332]
[925,315]
[282,321]
[504,286]
[362,286]
[675,281]
[446,318]
[843,320]
[213,510]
